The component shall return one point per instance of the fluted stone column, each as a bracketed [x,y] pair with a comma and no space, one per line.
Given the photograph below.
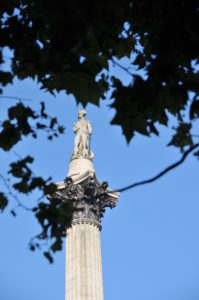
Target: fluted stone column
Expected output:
[83,248]
[89,198]
[83,263]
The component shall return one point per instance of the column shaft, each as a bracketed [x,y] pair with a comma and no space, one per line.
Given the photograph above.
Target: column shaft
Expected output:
[83,263]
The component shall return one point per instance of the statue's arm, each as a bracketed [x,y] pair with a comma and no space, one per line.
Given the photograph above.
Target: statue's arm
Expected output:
[75,127]
[89,127]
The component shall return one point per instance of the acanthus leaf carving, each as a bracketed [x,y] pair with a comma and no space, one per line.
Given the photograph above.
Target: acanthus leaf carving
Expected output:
[89,199]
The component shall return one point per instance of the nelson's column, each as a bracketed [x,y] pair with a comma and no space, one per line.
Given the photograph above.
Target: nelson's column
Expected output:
[90,199]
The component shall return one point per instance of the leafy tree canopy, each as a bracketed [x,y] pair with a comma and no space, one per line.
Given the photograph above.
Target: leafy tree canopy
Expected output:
[60,43]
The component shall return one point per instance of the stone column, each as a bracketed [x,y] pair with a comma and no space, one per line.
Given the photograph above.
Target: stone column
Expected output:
[83,250]
[89,198]
[83,263]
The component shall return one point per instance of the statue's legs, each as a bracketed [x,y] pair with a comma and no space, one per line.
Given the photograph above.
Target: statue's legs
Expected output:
[84,144]
[77,143]
[81,140]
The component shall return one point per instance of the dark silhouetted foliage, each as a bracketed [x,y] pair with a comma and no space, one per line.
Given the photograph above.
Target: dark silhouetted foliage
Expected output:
[61,43]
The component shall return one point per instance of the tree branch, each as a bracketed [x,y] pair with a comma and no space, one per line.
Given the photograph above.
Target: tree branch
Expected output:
[169,168]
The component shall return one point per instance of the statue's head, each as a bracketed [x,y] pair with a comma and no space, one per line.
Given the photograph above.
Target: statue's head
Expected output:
[81,113]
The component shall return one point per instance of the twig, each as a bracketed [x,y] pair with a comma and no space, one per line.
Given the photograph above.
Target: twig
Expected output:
[171,167]
[19,204]
[17,154]
[16,98]
[122,67]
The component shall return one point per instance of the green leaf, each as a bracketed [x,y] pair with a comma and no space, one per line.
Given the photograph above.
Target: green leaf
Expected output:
[57,245]
[40,126]
[50,188]
[49,257]
[87,89]
[152,128]
[20,169]
[13,213]
[5,77]
[194,109]
[61,129]
[3,202]
[9,136]
[32,247]
[43,113]
[53,122]
[183,137]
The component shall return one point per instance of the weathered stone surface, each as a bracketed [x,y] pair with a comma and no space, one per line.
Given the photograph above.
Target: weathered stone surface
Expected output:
[83,263]
[89,198]
[79,167]
[83,132]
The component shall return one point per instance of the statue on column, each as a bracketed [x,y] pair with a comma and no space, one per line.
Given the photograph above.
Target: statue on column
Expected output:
[83,132]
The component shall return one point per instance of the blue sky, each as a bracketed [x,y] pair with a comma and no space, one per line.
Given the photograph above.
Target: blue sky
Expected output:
[150,241]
